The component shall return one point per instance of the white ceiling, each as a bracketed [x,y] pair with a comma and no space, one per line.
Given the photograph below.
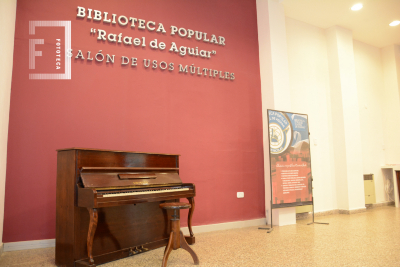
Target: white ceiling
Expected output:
[369,25]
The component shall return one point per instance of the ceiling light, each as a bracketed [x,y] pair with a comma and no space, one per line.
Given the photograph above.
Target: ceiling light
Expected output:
[357,7]
[394,23]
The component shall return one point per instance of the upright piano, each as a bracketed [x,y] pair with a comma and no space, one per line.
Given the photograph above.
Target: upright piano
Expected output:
[108,204]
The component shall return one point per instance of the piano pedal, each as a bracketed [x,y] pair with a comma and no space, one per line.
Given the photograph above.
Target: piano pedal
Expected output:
[137,250]
[132,251]
[143,249]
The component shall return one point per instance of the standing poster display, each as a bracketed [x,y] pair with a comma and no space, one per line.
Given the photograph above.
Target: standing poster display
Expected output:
[290,159]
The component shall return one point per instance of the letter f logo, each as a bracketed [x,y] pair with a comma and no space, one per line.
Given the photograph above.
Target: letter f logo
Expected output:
[33,53]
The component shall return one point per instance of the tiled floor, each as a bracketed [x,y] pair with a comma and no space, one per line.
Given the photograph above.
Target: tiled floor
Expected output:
[371,238]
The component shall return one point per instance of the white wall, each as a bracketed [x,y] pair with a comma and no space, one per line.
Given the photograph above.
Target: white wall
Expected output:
[309,89]
[378,97]
[7,29]
[371,103]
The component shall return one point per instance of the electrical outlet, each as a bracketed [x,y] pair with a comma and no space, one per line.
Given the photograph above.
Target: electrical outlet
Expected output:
[240,194]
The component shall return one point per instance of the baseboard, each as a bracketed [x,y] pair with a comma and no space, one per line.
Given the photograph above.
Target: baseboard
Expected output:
[381,204]
[353,211]
[307,215]
[224,226]
[1,249]
[326,213]
[47,243]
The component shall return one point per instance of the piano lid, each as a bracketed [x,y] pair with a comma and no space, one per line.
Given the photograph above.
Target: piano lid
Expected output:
[118,178]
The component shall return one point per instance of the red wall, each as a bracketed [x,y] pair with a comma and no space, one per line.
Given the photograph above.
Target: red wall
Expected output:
[214,124]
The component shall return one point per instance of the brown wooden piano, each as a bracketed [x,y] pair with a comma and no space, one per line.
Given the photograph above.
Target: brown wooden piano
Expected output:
[108,204]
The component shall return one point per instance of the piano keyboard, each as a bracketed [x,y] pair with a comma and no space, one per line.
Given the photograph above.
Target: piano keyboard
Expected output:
[131,193]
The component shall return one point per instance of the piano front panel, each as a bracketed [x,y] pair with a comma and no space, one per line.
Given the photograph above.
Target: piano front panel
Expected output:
[122,227]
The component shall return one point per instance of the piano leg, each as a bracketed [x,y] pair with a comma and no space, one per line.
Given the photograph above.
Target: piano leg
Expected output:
[92,229]
[190,239]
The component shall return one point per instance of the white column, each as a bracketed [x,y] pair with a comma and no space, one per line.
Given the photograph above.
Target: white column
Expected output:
[279,56]
[391,110]
[275,87]
[7,29]
[345,120]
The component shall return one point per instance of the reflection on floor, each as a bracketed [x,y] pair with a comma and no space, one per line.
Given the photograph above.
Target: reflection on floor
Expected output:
[371,238]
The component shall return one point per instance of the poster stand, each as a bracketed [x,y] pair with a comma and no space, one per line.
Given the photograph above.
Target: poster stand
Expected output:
[312,193]
[290,145]
[312,188]
[269,229]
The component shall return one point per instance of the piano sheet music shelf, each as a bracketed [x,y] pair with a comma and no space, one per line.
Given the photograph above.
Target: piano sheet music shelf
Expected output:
[120,192]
